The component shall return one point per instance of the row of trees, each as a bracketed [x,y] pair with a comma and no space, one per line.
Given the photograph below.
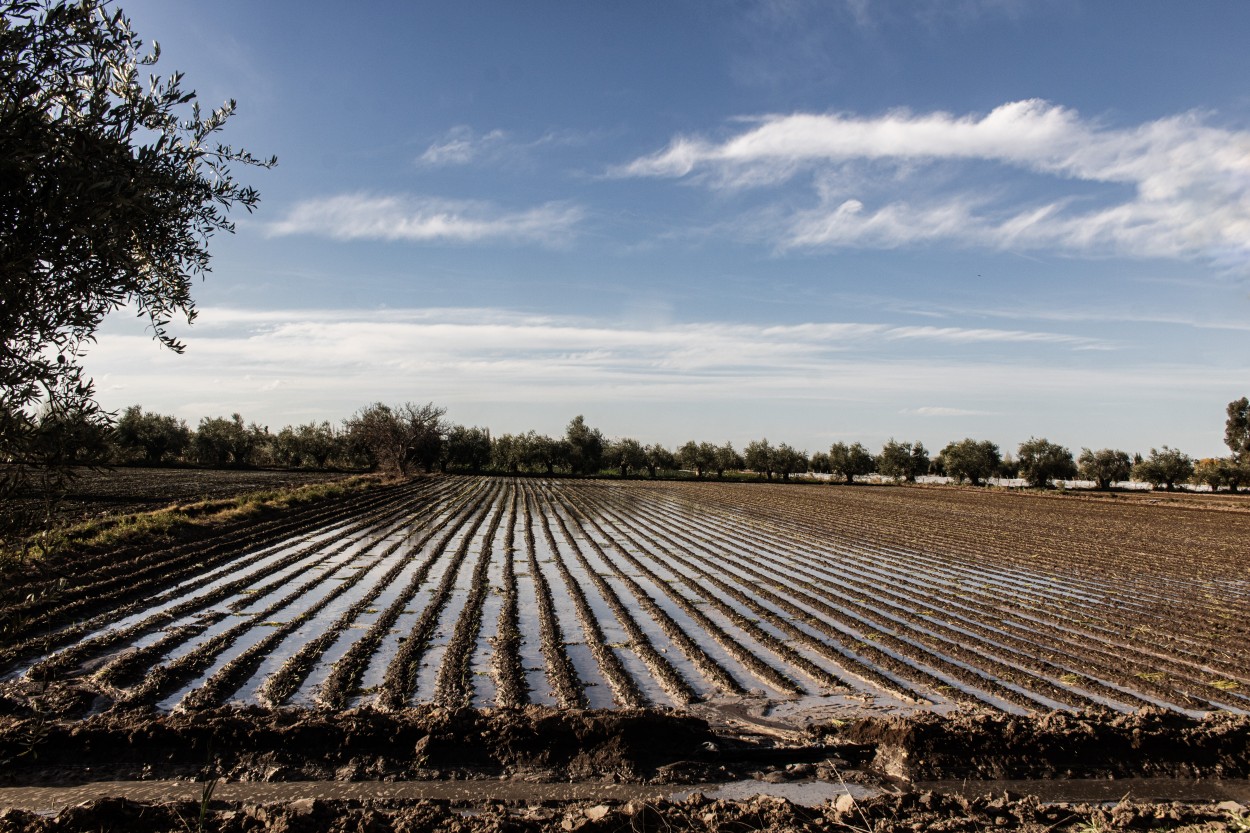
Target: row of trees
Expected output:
[406,437]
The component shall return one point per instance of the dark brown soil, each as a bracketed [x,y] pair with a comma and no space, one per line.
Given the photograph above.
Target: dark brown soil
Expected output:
[649,746]
[296,744]
[888,814]
[96,493]
[1149,743]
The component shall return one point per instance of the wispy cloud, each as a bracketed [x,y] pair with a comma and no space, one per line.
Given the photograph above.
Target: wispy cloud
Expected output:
[942,411]
[460,146]
[427,219]
[285,366]
[1189,181]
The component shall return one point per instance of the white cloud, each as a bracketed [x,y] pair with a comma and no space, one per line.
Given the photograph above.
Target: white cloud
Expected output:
[460,146]
[1189,182]
[427,219]
[516,371]
[941,411]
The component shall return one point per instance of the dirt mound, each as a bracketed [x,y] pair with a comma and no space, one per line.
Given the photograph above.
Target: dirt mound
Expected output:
[1150,742]
[905,814]
[296,744]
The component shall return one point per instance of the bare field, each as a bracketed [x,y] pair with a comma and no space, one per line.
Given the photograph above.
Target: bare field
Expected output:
[791,602]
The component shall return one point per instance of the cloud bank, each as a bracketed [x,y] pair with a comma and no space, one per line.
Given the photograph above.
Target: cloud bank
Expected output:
[427,220]
[1175,187]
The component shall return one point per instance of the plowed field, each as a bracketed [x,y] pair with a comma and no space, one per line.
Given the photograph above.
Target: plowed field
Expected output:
[464,591]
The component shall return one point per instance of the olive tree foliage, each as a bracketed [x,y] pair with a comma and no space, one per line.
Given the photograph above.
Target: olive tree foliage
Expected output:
[1104,466]
[396,439]
[849,461]
[221,442]
[626,454]
[726,458]
[313,444]
[970,460]
[151,438]
[1237,429]
[1221,473]
[585,446]
[759,457]
[901,460]
[697,457]
[466,448]
[788,460]
[659,458]
[114,185]
[1164,467]
[1040,461]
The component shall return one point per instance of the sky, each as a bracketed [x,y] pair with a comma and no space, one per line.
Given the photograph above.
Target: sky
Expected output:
[813,222]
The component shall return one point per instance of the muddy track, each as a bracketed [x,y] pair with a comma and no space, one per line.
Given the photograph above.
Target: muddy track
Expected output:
[625,689]
[344,678]
[123,578]
[509,676]
[400,680]
[96,637]
[453,687]
[199,562]
[560,672]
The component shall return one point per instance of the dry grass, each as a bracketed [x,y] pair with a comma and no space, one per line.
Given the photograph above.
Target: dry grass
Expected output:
[178,520]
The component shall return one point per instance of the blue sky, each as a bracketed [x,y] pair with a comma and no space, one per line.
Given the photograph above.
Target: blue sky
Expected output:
[809,221]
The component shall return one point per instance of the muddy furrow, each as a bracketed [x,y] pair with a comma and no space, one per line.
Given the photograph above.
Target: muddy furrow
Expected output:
[859,610]
[344,678]
[624,688]
[1170,697]
[560,672]
[698,575]
[85,639]
[506,661]
[1119,561]
[889,648]
[284,682]
[674,685]
[452,687]
[711,670]
[1025,637]
[162,680]
[228,679]
[904,596]
[632,529]
[400,679]
[155,570]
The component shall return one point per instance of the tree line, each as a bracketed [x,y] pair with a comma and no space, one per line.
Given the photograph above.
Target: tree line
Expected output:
[409,437]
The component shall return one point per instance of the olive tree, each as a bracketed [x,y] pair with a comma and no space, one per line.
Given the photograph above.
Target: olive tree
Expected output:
[625,454]
[698,457]
[154,438]
[1041,461]
[1237,429]
[397,438]
[1104,466]
[760,457]
[466,448]
[903,460]
[788,460]
[970,459]
[848,461]
[585,446]
[1164,467]
[114,186]
[659,458]
[726,458]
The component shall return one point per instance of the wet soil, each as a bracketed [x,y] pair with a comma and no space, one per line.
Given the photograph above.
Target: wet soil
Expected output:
[538,768]
[886,814]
